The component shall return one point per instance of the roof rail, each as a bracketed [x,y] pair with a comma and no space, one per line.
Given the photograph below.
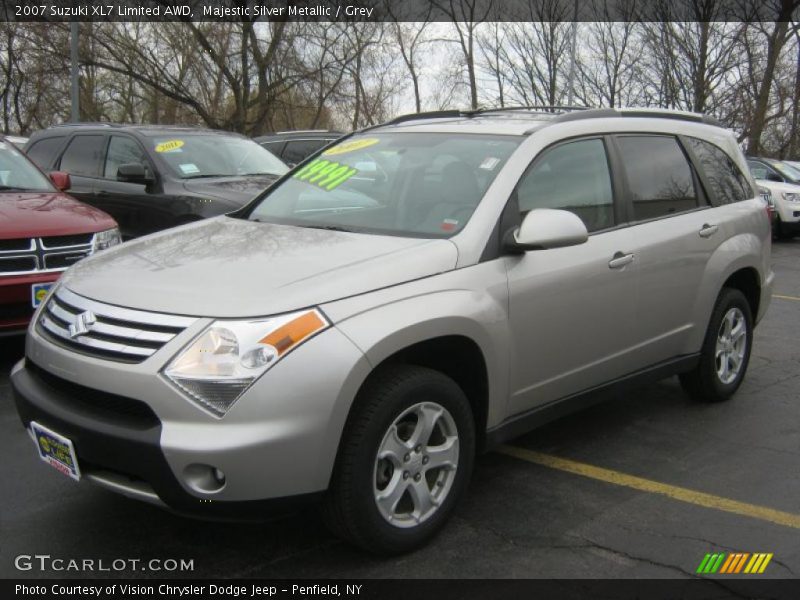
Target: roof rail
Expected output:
[547,108]
[660,113]
[434,114]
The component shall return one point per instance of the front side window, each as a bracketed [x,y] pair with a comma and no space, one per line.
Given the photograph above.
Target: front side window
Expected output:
[408,184]
[574,177]
[83,155]
[660,180]
[728,184]
[761,171]
[193,155]
[296,151]
[122,151]
[18,174]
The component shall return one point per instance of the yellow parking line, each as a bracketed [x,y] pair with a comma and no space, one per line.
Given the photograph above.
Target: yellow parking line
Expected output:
[654,487]
[795,298]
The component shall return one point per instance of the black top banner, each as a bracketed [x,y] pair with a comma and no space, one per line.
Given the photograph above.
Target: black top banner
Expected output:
[399,10]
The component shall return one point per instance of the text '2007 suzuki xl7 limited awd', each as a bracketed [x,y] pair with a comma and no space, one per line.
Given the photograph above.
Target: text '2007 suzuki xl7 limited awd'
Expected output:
[412,295]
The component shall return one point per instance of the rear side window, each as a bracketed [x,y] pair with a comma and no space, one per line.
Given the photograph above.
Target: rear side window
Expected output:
[574,177]
[83,155]
[275,147]
[727,182]
[43,152]
[660,179]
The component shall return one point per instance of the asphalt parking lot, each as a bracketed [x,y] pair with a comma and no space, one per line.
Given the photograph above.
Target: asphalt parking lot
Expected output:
[719,478]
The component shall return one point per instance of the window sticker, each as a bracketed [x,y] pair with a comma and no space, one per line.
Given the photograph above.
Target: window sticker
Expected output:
[325,174]
[489,163]
[449,225]
[170,146]
[351,146]
[189,168]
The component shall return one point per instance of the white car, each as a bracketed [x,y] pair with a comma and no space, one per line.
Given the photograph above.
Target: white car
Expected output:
[783,180]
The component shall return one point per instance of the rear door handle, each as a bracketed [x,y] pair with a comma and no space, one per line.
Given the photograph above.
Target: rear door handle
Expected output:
[708,230]
[619,260]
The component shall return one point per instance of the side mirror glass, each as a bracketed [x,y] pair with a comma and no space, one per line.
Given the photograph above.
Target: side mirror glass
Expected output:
[546,228]
[133,172]
[61,180]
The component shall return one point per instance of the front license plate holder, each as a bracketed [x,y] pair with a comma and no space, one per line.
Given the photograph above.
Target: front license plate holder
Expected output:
[56,450]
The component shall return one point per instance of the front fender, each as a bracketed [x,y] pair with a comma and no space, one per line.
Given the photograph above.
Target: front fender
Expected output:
[470,302]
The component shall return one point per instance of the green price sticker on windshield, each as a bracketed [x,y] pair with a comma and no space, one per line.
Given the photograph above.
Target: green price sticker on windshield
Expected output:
[325,174]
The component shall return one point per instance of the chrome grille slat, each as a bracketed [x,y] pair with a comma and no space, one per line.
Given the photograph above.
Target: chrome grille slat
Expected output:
[113,332]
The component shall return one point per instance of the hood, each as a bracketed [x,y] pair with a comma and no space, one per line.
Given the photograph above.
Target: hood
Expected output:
[225,267]
[239,189]
[41,214]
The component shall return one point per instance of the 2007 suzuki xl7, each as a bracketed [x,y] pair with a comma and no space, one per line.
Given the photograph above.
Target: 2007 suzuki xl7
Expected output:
[410,296]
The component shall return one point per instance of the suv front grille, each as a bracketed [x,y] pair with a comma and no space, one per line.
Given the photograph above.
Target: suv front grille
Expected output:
[32,255]
[107,331]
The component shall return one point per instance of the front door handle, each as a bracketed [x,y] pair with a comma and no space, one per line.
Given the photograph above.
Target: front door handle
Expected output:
[619,260]
[708,230]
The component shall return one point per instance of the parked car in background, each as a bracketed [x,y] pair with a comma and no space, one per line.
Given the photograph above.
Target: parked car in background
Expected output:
[783,181]
[766,195]
[18,140]
[153,177]
[419,292]
[42,232]
[293,147]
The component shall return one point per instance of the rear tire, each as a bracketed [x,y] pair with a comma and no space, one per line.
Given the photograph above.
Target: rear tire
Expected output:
[726,350]
[405,458]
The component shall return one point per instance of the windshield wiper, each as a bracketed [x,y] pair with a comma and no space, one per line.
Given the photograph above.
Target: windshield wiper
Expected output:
[328,228]
[13,188]
[202,175]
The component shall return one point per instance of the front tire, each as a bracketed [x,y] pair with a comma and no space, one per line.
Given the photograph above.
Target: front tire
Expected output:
[726,350]
[406,456]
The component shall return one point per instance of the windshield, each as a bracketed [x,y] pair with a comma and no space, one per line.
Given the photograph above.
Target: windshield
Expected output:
[213,155]
[18,174]
[787,171]
[415,184]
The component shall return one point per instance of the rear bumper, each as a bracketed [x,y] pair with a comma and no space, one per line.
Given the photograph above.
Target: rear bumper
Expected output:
[120,449]
[16,307]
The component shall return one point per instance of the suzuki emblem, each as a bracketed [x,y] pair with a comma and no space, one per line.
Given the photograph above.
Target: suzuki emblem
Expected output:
[82,324]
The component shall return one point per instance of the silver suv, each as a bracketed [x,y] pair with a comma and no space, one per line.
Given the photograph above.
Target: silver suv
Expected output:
[413,295]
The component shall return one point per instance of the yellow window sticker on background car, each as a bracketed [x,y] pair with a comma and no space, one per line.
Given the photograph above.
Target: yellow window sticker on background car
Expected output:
[169,146]
[351,146]
[325,174]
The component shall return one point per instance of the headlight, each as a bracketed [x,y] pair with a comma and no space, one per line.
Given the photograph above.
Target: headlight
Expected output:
[791,196]
[106,239]
[224,360]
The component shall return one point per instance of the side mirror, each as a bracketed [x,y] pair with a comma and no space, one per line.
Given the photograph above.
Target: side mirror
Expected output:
[545,228]
[61,180]
[133,173]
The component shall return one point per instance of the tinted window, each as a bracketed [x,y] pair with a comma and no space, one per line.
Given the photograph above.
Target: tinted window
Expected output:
[44,151]
[274,147]
[660,179]
[121,151]
[573,177]
[297,151]
[83,155]
[727,182]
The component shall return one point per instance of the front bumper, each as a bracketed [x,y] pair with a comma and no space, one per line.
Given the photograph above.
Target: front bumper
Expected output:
[136,434]
[16,307]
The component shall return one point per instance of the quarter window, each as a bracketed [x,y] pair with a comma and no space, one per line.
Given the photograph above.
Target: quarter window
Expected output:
[660,179]
[83,155]
[727,182]
[122,151]
[574,177]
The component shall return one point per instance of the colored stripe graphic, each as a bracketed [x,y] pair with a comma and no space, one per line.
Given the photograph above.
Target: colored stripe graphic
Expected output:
[733,563]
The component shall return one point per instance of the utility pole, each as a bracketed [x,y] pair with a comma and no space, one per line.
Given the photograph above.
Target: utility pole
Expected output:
[73,53]
[571,83]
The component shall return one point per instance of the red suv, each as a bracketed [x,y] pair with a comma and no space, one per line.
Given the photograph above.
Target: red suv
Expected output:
[42,232]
